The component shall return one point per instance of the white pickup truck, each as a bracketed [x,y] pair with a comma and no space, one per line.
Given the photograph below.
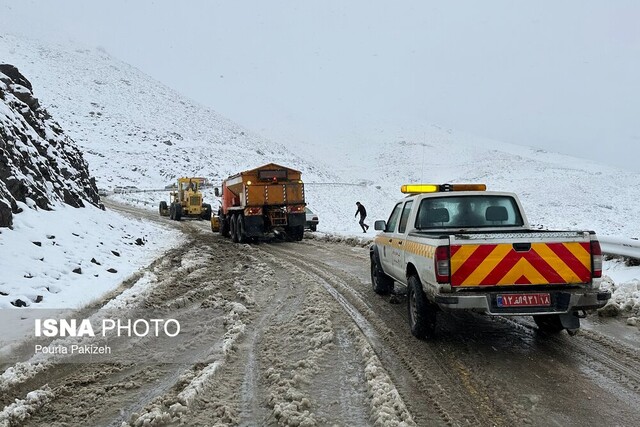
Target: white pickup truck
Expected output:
[459,247]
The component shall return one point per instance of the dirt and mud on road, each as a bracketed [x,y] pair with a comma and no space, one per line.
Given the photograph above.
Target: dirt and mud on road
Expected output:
[299,338]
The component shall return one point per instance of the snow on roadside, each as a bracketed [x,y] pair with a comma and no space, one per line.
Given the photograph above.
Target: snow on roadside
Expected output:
[21,409]
[68,257]
[387,406]
[623,282]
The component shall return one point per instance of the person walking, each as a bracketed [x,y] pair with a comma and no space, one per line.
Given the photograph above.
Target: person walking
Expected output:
[363,214]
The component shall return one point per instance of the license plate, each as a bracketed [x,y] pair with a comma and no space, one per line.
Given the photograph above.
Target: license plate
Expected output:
[523,300]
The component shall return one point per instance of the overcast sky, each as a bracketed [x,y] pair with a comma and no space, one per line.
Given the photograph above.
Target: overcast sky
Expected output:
[560,75]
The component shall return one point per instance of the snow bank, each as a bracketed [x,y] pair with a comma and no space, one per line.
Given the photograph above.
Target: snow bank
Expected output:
[21,410]
[624,284]
[68,257]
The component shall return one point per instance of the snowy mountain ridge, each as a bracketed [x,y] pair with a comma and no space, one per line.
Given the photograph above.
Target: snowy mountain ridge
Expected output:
[41,166]
[133,129]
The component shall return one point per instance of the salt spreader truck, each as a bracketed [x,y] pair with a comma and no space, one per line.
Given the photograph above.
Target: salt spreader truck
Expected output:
[260,203]
[460,247]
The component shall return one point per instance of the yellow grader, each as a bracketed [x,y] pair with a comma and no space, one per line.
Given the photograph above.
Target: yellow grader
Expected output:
[262,202]
[186,201]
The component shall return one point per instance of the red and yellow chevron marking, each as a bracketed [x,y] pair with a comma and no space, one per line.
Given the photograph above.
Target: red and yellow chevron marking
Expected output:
[500,264]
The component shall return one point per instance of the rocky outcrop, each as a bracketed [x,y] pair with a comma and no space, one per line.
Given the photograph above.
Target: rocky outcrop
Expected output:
[39,164]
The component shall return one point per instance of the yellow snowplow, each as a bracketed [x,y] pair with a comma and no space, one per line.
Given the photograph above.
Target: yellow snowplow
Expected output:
[186,201]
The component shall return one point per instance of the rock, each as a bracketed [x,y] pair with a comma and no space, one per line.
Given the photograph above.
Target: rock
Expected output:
[50,236]
[139,242]
[39,298]
[115,253]
[6,214]
[14,74]
[18,303]
[112,270]
[37,243]
[77,270]
[33,145]
[632,321]
[93,260]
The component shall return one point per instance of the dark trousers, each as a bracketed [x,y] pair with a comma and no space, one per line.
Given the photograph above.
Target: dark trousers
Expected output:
[362,224]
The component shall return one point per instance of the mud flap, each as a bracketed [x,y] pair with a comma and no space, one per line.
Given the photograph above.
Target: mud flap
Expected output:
[569,321]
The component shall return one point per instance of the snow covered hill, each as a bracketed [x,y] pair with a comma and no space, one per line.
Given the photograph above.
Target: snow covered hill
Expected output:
[133,129]
[57,248]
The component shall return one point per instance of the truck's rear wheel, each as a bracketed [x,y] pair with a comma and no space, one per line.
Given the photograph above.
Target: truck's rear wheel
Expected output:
[163,208]
[233,228]
[549,323]
[178,213]
[422,313]
[224,225]
[381,283]
[240,231]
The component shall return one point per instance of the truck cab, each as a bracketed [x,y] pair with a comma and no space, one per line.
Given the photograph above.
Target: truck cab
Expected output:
[460,247]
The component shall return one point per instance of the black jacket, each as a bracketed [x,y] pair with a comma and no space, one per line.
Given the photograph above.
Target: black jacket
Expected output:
[362,211]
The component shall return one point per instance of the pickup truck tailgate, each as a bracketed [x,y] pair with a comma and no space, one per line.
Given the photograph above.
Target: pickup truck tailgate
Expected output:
[536,258]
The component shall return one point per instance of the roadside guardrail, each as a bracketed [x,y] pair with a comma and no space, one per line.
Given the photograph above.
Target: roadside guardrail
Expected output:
[620,247]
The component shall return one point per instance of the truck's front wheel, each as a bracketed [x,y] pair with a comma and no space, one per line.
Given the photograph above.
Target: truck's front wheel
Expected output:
[381,283]
[422,314]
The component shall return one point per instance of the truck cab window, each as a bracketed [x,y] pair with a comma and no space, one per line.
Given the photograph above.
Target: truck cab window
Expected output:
[393,219]
[405,216]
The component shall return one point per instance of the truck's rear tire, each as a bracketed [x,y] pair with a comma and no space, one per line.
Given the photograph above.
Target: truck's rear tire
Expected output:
[233,228]
[162,208]
[178,213]
[422,313]
[549,323]
[224,225]
[381,283]
[240,230]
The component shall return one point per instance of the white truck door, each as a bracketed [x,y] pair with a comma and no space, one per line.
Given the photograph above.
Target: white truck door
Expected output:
[389,241]
[400,238]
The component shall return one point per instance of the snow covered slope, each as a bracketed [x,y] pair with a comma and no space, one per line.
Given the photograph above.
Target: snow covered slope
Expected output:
[134,130]
[57,250]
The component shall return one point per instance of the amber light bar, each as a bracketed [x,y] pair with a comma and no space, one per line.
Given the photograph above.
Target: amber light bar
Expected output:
[435,188]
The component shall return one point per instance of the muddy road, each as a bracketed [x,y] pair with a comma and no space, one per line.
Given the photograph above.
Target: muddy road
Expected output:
[297,337]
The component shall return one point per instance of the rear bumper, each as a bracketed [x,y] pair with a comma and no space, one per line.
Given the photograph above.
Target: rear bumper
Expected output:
[565,301]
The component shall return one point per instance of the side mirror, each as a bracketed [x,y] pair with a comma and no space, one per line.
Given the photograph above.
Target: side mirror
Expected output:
[217,192]
[380,225]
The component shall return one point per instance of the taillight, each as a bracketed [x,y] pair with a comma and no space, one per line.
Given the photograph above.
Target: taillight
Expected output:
[252,211]
[442,264]
[295,208]
[596,259]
